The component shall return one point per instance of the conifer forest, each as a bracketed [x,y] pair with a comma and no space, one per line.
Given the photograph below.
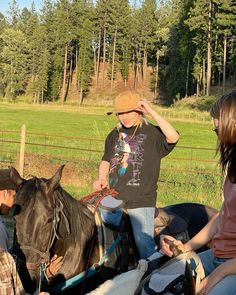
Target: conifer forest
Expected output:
[175,48]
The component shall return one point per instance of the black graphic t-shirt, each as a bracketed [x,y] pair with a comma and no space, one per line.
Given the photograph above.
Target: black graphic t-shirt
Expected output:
[134,156]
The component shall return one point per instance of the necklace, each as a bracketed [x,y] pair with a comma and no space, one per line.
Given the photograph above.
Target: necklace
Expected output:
[131,137]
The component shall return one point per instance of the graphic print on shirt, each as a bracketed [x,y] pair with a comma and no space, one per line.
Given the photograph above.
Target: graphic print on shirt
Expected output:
[128,159]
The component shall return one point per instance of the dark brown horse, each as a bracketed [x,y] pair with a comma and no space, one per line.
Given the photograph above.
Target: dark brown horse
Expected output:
[49,221]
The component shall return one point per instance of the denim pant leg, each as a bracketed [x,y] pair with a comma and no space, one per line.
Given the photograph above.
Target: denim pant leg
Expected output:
[207,259]
[227,286]
[142,220]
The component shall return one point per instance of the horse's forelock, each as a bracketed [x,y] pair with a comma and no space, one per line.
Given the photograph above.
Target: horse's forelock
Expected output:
[28,192]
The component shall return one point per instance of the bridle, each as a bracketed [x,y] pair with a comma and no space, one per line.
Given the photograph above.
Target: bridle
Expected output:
[43,256]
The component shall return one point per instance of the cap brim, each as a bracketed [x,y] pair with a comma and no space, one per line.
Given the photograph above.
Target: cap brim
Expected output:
[6,181]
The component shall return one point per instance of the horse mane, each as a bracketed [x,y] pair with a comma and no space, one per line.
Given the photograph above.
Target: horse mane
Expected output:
[80,218]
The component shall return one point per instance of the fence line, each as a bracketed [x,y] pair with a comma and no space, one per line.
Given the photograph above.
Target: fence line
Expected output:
[85,149]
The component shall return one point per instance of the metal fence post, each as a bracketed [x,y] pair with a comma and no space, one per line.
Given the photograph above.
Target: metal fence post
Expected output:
[22,150]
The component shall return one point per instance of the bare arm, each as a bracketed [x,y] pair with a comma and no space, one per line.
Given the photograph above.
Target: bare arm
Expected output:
[204,236]
[102,181]
[200,239]
[172,136]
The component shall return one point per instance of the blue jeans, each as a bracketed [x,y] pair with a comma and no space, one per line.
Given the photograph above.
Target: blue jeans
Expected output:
[142,220]
[227,286]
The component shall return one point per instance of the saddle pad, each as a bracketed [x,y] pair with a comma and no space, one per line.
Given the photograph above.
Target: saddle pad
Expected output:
[105,240]
[159,281]
[110,210]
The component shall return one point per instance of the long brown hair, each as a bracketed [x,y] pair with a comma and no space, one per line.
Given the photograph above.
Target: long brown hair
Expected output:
[224,109]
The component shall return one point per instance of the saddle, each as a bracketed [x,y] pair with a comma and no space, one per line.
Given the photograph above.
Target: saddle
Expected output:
[180,275]
[112,220]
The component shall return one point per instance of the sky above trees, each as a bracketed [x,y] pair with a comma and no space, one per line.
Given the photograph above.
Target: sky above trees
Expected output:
[4,6]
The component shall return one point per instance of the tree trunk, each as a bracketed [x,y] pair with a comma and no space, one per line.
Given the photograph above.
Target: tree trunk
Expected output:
[197,89]
[113,59]
[76,68]
[64,76]
[81,96]
[187,78]
[70,73]
[104,56]
[209,51]
[224,63]
[187,70]
[42,96]
[38,95]
[137,70]
[157,75]
[11,85]
[98,59]
[144,63]
[204,76]
[95,64]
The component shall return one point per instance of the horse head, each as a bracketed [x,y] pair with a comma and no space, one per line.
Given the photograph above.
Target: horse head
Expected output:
[36,216]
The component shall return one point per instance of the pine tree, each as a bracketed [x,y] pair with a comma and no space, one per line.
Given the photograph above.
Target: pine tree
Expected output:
[225,32]
[3,25]
[101,20]
[54,75]
[13,13]
[14,57]
[63,35]
[85,58]
[175,74]
[118,25]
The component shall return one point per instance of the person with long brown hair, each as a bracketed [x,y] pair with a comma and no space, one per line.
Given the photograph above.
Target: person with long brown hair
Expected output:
[219,262]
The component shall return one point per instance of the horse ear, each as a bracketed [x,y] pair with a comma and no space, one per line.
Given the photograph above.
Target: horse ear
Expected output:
[55,180]
[15,176]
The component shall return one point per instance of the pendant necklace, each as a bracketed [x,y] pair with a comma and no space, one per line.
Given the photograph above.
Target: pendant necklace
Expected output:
[131,137]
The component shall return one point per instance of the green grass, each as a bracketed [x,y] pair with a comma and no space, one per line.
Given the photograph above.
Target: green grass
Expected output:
[194,180]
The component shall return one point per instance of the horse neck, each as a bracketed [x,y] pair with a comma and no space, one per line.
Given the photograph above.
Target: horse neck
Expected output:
[82,231]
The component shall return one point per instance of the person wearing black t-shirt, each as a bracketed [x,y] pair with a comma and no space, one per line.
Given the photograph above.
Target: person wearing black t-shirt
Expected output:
[131,163]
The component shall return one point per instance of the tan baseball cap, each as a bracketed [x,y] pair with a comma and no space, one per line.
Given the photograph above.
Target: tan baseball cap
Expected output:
[6,181]
[125,102]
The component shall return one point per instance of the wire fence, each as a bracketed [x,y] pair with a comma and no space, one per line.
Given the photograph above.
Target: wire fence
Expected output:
[188,171]
[76,149]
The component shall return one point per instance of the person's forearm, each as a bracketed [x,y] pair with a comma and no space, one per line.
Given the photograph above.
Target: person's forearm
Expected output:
[172,136]
[104,170]
[204,236]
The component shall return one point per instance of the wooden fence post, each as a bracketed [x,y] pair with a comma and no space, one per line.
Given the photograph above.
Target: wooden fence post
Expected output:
[22,150]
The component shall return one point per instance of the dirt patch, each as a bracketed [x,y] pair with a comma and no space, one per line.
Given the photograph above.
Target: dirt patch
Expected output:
[76,175]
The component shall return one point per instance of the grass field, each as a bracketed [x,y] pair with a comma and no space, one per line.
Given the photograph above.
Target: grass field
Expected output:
[188,174]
